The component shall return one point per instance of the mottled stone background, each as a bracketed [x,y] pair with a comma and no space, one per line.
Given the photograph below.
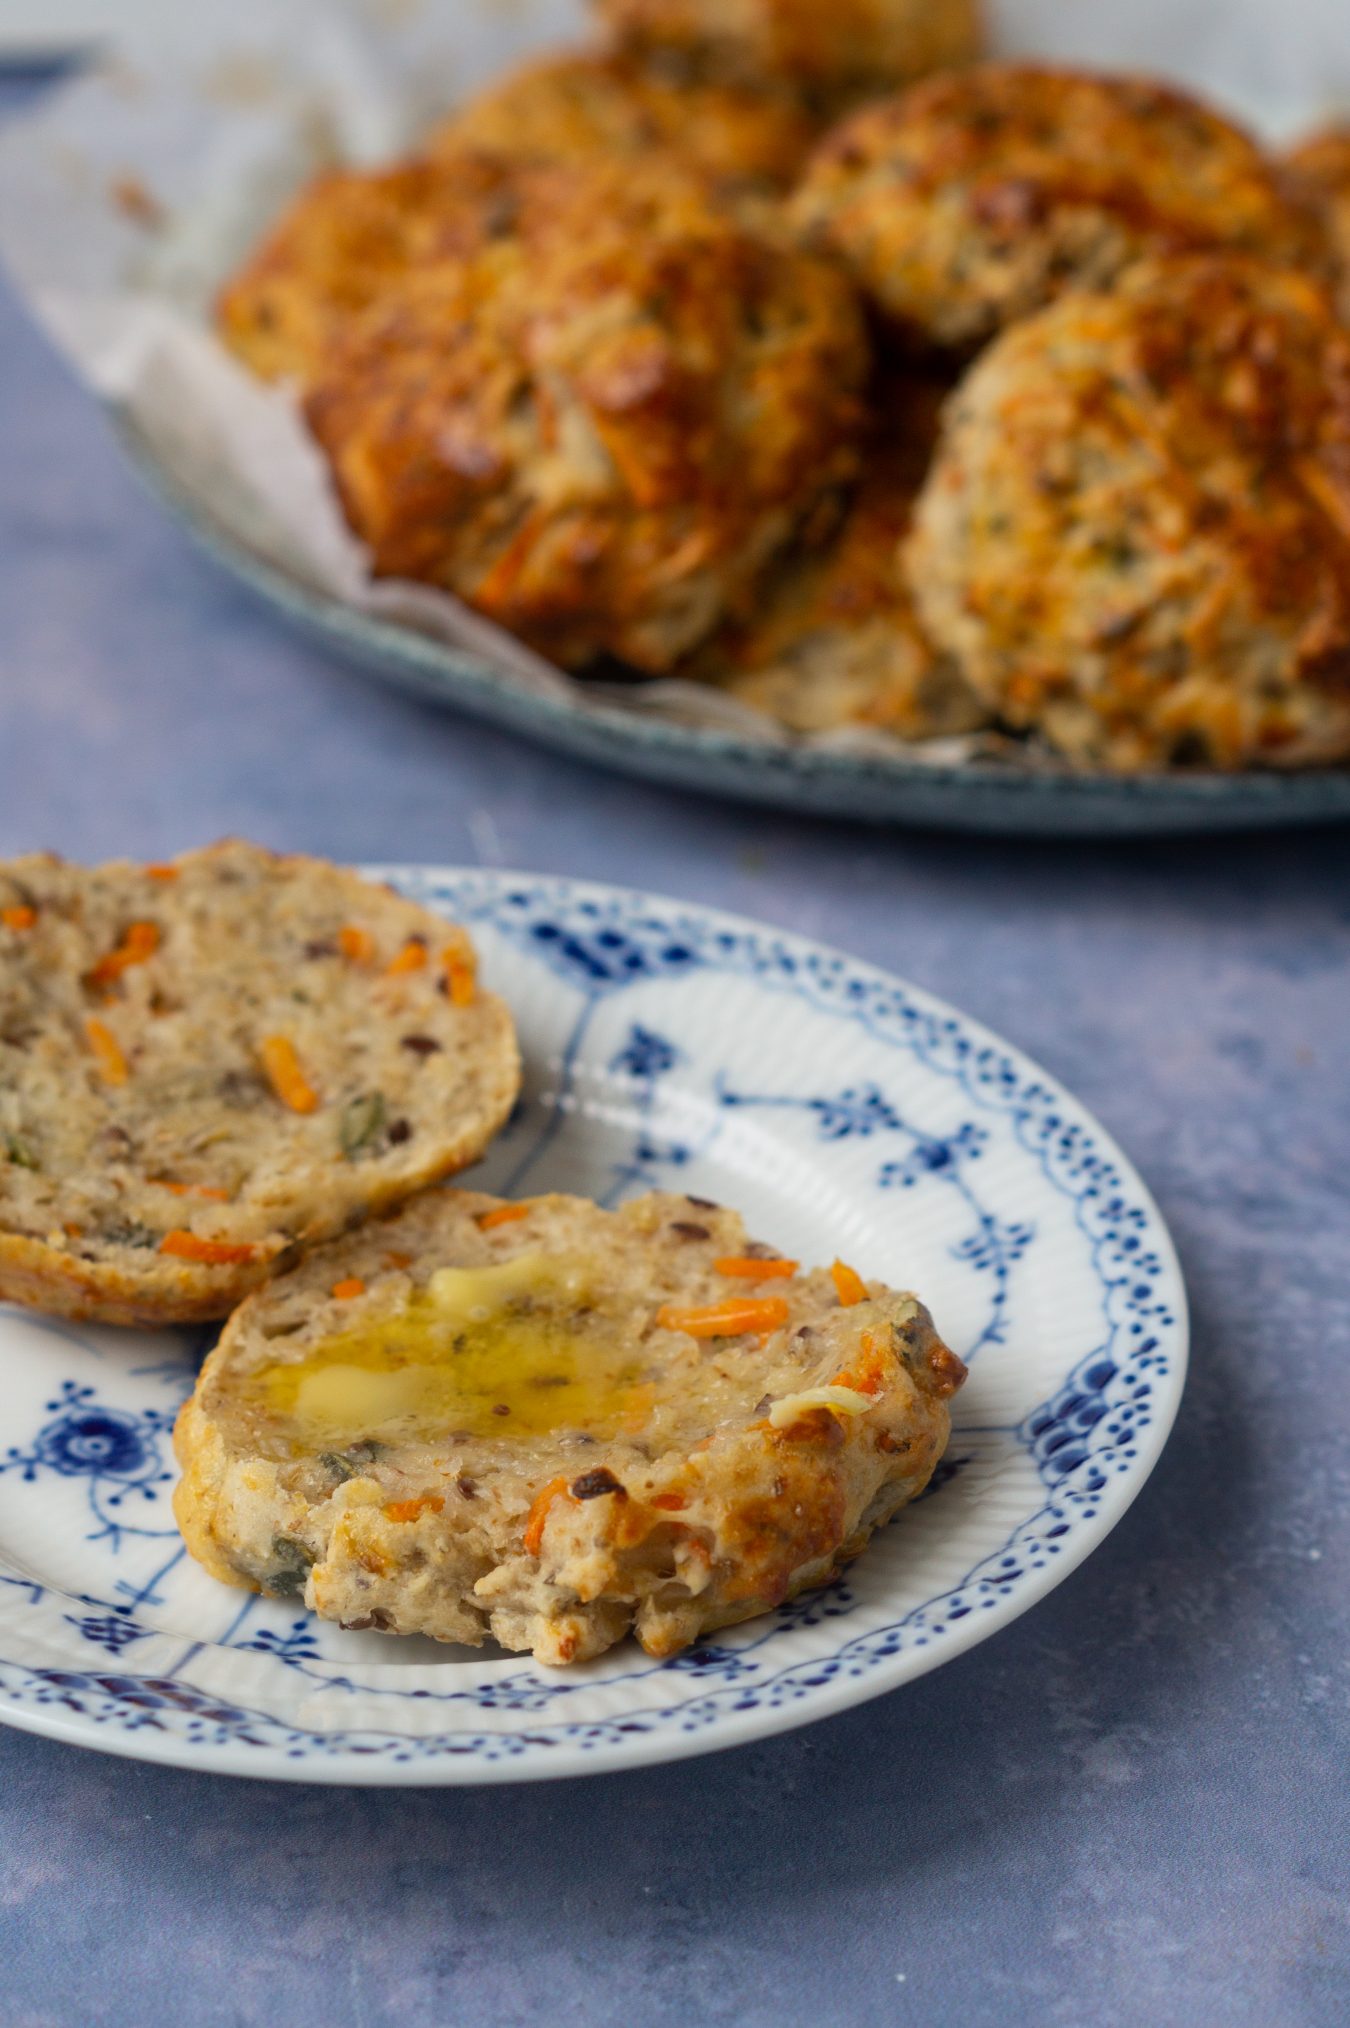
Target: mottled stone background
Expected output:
[1131,1807]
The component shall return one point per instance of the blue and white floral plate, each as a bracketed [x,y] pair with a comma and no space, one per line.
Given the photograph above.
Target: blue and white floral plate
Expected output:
[846,1113]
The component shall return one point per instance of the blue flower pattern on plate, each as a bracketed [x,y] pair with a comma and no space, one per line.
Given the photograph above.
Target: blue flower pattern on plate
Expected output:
[993,1247]
[1085,1435]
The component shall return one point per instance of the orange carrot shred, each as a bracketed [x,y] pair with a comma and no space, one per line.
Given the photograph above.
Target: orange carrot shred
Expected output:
[288,1081]
[866,1375]
[726,1320]
[746,1268]
[533,1538]
[412,1510]
[139,942]
[112,1065]
[18,918]
[161,870]
[211,1252]
[849,1283]
[461,972]
[410,959]
[501,1214]
[349,1286]
[356,944]
[204,1190]
[670,1503]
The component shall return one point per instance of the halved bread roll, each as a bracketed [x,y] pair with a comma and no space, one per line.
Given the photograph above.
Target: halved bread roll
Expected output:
[554,1424]
[207,1064]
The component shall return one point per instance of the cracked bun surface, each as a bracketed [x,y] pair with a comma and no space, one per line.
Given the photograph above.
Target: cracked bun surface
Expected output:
[974,199]
[552,1425]
[206,1064]
[748,143]
[600,426]
[1135,535]
[827,52]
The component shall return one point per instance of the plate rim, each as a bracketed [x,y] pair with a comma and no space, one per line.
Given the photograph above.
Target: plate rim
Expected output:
[732,1729]
[403,658]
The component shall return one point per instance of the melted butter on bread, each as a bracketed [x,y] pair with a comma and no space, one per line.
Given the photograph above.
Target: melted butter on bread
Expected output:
[519,1348]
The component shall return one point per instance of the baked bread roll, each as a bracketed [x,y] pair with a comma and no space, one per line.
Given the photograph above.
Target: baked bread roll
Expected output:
[209,1064]
[554,1424]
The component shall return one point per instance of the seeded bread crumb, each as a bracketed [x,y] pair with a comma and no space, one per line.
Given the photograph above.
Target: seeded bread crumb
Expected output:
[207,1065]
[754,1464]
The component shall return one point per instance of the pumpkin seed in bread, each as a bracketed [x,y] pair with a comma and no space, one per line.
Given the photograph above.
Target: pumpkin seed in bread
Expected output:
[206,1064]
[554,1424]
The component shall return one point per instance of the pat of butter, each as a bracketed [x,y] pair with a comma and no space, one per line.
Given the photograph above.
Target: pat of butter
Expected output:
[473,1295]
[335,1400]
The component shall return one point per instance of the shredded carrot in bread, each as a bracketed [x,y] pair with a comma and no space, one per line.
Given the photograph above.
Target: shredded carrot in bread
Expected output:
[161,870]
[746,1268]
[204,1190]
[533,1538]
[72,1230]
[501,1214]
[349,1286]
[461,971]
[278,1058]
[140,941]
[669,1503]
[112,1065]
[412,1510]
[866,1375]
[410,959]
[356,944]
[211,1252]
[726,1320]
[849,1284]
[19,918]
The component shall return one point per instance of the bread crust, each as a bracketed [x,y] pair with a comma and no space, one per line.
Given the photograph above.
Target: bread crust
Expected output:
[1136,532]
[151,1172]
[749,142]
[732,1487]
[1319,173]
[829,53]
[974,199]
[599,428]
[835,641]
[342,244]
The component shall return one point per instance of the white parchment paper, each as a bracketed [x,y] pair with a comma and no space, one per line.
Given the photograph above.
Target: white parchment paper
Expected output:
[139,185]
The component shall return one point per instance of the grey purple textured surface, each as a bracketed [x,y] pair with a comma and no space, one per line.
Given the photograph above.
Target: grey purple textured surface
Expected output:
[1133,1807]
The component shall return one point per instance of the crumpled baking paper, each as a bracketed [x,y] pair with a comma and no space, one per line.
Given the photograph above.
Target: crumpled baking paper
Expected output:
[139,185]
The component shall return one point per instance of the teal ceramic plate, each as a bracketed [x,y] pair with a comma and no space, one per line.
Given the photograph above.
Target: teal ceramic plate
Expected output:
[968,796]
